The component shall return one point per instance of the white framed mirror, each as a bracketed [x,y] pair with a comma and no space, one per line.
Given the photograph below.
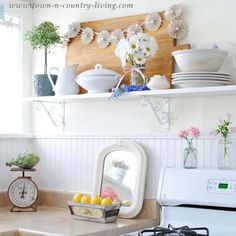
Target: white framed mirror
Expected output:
[120,174]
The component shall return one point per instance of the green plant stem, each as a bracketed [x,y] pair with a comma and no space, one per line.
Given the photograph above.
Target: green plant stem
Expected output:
[45,60]
[225,147]
[190,150]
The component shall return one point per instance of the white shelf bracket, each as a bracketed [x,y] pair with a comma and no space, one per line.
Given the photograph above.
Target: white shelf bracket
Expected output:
[160,110]
[54,110]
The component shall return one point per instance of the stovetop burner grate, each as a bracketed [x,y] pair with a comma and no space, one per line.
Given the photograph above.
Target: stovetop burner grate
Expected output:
[172,231]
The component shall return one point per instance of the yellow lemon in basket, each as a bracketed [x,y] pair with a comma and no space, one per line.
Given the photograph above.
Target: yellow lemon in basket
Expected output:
[96,200]
[77,197]
[85,199]
[106,201]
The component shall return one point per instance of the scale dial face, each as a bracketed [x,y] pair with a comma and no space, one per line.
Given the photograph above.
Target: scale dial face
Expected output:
[23,192]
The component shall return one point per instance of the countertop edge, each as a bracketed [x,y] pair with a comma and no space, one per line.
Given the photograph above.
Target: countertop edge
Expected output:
[35,225]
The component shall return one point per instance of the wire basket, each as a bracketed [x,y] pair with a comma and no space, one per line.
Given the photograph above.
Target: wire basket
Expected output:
[96,213]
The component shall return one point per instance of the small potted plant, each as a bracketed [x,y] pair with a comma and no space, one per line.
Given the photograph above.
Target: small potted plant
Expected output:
[119,169]
[43,36]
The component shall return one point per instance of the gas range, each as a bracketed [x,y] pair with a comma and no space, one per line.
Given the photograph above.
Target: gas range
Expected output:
[196,202]
[172,231]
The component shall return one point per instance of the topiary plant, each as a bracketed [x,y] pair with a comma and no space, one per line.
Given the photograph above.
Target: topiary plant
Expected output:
[44,36]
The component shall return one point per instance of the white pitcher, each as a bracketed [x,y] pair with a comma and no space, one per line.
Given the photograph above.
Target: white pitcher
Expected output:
[65,84]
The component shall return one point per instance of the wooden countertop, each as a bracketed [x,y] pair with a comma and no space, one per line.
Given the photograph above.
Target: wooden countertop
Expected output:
[58,222]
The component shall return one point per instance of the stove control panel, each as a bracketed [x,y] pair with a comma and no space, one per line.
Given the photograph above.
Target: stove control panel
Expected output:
[221,186]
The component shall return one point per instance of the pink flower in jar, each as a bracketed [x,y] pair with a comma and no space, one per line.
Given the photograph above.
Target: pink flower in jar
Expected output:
[233,130]
[228,117]
[189,134]
[195,132]
[183,133]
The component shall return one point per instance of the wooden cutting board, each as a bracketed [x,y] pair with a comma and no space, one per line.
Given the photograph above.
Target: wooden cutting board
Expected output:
[87,56]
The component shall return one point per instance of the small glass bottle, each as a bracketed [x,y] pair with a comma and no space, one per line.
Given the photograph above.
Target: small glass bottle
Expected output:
[225,154]
[190,157]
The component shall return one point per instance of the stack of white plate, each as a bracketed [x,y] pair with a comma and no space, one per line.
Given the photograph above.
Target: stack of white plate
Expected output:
[200,79]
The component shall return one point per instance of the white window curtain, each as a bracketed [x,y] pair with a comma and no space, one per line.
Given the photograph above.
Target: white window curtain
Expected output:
[10,74]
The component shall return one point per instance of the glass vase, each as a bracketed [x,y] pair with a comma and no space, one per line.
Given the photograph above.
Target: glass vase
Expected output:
[190,157]
[136,78]
[225,154]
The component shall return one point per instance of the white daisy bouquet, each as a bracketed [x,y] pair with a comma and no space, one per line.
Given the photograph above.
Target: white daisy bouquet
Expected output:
[136,49]
[133,52]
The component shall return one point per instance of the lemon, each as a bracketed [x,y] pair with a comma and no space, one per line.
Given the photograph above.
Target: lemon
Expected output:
[77,197]
[96,200]
[85,199]
[106,201]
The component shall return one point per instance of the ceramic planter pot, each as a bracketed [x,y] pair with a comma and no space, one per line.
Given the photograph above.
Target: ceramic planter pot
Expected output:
[42,85]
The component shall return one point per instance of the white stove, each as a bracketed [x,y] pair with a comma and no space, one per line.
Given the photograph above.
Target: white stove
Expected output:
[196,198]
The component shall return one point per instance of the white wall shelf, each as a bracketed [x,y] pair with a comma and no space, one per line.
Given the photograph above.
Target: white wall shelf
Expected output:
[160,109]
[168,93]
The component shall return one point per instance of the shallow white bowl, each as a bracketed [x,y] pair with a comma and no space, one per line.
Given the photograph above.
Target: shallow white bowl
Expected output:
[199,59]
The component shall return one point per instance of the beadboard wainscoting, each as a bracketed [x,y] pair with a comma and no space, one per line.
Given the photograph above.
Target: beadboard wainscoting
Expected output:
[9,149]
[68,163]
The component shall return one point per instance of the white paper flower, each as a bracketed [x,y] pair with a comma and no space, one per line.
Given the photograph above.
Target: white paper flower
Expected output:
[70,34]
[134,29]
[153,21]
[75,26]
[174,12]
[103,39]
[140,58]
[87,35]
[116,36]
[177,29]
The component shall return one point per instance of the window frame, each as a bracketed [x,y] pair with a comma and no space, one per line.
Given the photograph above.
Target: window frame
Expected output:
[25,70]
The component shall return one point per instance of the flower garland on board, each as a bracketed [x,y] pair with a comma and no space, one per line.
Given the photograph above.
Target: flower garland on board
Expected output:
[177,29]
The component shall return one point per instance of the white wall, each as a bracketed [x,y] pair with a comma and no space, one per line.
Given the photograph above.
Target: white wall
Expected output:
[209,21]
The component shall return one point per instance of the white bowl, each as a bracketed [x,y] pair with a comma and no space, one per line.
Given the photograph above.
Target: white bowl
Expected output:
[199,59]
[98,80]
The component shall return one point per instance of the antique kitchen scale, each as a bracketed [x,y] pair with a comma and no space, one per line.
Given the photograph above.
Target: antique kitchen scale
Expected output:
[23,192]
